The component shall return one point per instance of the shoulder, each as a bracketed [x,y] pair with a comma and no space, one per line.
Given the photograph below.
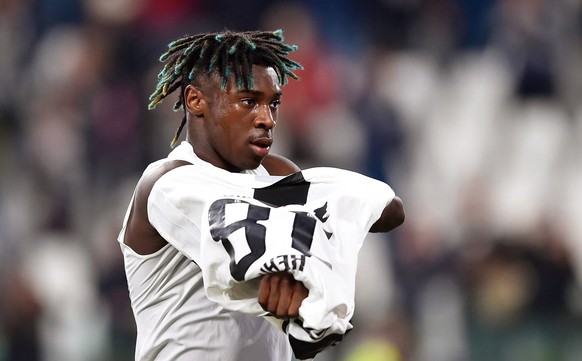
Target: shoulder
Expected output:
[279,165]
[140,235]
[152,175]
[147,181]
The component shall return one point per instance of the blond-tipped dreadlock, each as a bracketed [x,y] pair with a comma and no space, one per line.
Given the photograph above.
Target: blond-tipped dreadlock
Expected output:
[227,53]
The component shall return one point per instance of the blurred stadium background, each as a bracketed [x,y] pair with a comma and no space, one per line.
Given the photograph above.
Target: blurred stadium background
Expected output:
[470,109]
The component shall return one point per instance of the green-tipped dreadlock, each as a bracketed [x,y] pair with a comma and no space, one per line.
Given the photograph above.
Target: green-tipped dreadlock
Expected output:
[228,53]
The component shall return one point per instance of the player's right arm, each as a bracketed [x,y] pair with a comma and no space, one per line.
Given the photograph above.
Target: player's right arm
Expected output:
[281,295]
[140,235]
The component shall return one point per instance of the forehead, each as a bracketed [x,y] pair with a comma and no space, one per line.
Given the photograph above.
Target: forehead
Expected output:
[265,77]
[265,80]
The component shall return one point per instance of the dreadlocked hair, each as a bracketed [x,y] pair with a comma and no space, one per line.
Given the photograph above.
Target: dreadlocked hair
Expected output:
[228,53]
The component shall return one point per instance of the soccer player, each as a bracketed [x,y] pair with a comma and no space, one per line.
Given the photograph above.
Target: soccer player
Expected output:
[229,87]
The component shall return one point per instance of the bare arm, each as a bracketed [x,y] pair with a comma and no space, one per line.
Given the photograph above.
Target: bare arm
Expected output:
[140,235]
[392,217]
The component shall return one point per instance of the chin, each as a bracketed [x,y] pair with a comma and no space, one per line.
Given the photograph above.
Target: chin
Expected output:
[255,163]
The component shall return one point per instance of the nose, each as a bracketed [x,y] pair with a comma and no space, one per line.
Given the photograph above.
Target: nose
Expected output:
[265,118]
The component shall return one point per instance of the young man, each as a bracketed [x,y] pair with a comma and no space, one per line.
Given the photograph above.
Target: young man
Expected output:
[230,90]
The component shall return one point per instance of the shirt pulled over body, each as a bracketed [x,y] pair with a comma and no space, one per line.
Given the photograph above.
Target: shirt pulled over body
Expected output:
[196,298]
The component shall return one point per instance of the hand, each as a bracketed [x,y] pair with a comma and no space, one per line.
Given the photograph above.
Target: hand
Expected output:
[281,295]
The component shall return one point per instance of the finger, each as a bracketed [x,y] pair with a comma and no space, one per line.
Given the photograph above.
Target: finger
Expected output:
[273,293]
[300,292]
[264,289]
[285,293]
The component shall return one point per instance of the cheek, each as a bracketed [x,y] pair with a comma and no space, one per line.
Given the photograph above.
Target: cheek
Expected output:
[230,132]
[234,123]
[220,124]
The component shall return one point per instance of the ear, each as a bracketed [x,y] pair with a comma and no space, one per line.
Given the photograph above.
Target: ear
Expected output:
[194,101]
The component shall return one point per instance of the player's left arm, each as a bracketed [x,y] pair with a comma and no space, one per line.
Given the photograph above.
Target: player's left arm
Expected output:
[392,217]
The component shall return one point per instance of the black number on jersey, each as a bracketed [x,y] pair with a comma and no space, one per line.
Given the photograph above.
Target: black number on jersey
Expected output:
[301,235]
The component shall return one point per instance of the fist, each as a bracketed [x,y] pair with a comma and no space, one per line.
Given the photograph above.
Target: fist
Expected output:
[281,295]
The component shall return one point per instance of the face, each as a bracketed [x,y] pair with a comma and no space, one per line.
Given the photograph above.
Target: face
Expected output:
[233,128]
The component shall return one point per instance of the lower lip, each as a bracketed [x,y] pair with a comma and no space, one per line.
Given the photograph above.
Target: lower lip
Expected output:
[260,151]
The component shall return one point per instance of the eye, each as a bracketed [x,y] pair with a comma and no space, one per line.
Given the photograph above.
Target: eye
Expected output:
[249,101]
[275,104]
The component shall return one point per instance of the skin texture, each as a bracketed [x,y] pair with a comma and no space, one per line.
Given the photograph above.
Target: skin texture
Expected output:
[392,217]
[233,130]
[225,131]
[229,124]
[224,126]
[281,295]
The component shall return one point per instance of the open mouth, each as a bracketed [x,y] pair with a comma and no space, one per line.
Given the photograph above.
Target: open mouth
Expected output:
[261,146]
[262,142]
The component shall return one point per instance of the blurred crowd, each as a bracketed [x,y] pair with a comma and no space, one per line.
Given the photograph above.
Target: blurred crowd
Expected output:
[469,109]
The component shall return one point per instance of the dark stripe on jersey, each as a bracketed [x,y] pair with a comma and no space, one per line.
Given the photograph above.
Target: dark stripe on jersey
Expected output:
[292,189]
[306,350]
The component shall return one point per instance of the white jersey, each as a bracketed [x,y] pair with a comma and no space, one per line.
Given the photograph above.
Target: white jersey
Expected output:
[175,320]
[224,230]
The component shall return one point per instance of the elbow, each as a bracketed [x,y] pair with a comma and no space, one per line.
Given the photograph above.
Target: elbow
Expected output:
[396,214]
[392,217]
[399,216]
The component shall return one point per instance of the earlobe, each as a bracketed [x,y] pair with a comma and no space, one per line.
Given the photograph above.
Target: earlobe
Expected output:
[194,101]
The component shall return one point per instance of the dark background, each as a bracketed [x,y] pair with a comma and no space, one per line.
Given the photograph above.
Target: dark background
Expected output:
[470,109]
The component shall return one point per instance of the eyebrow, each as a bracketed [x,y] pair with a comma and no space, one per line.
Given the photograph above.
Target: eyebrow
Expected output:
[257,92]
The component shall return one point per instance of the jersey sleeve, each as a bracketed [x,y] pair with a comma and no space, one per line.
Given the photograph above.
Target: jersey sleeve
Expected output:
[310,224]
[179,203]
[175,210]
